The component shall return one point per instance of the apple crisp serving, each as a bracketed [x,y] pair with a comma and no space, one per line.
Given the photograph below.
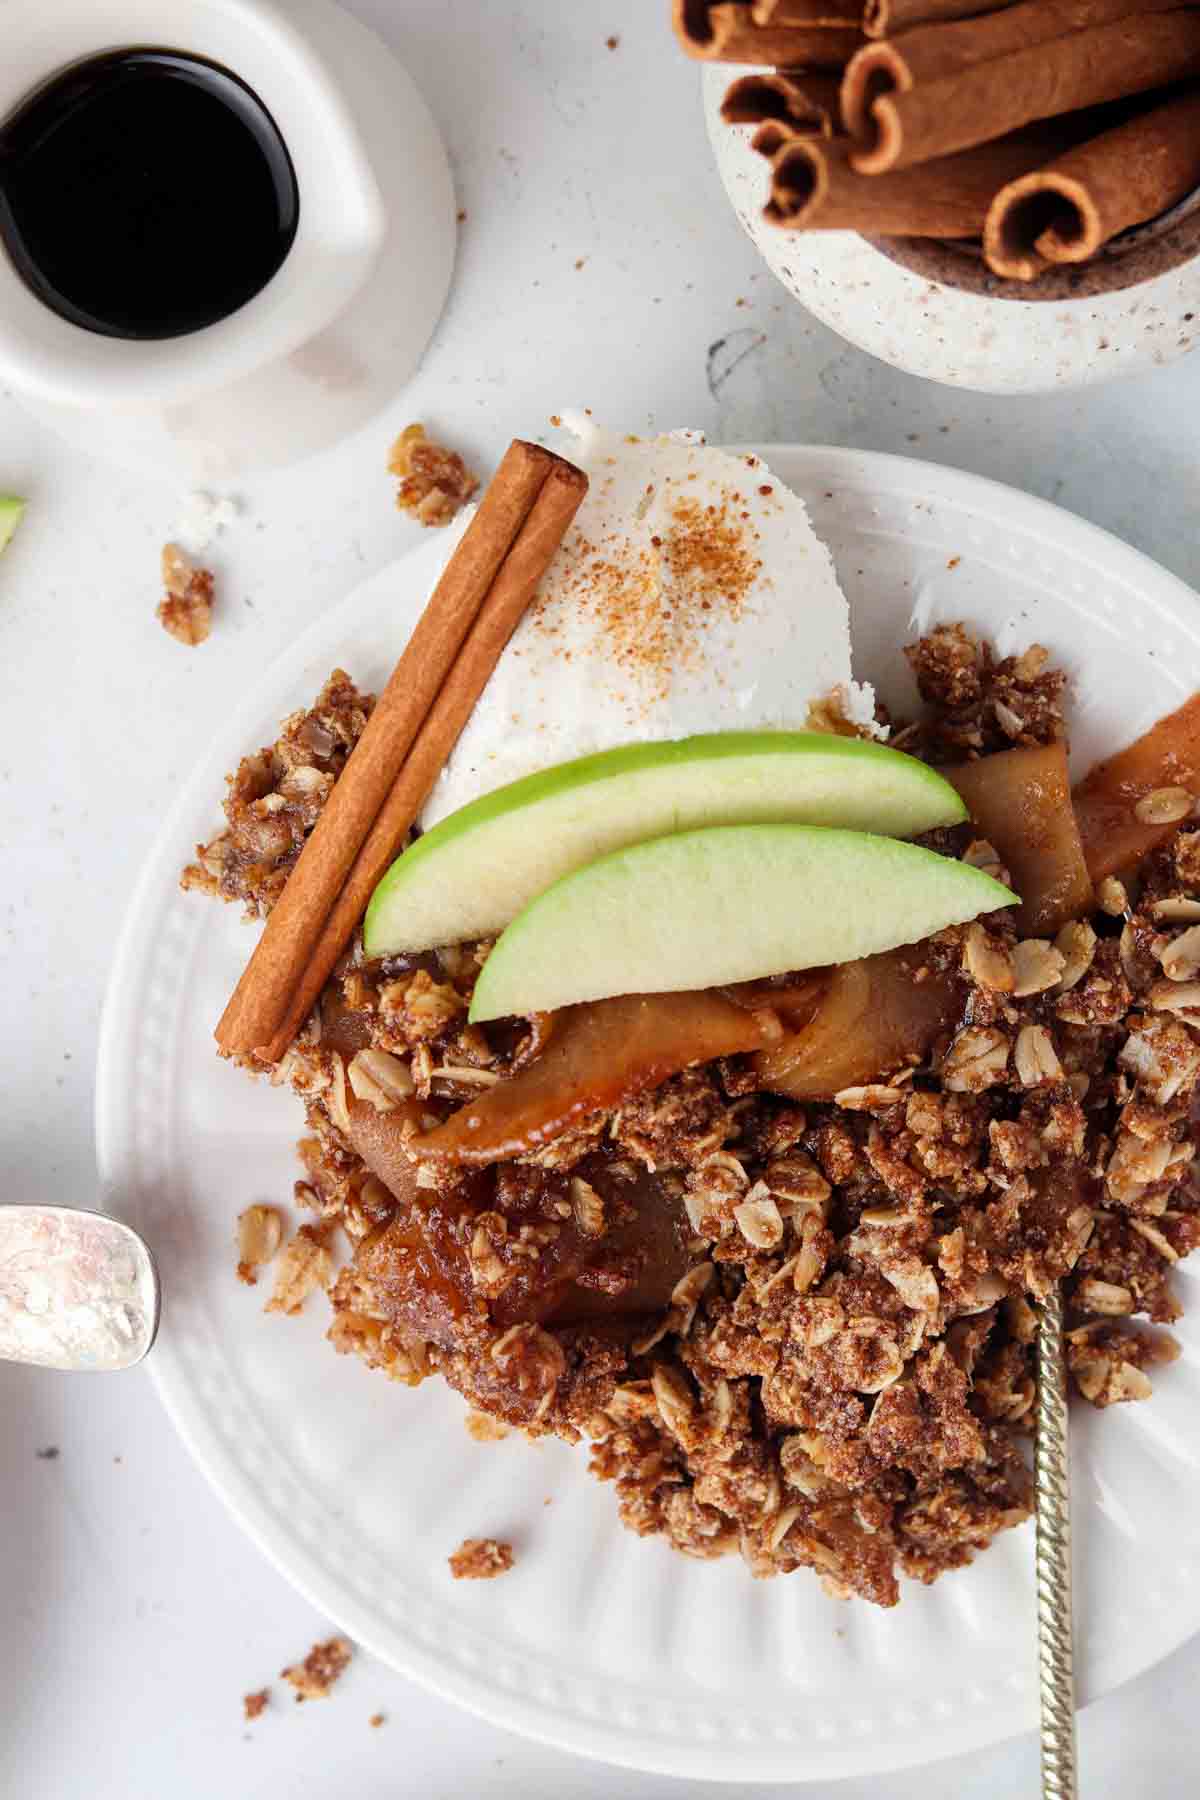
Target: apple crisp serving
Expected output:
[774,1251]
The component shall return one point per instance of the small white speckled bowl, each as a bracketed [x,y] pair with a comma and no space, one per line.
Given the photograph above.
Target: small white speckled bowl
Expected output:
[932,310]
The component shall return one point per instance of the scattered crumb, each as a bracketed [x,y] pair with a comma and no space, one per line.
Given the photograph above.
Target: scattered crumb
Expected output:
[185,610]
[322,1668]
[202,519]
[434,482]
[461,215]
[480,1559]
[483,1428]
[259,1235]
[580,261]
[254,1704]
[376,1720]
[953,562]
[612,42]
[50,1454]
[547,1500]
[118,1459]
[305,1264]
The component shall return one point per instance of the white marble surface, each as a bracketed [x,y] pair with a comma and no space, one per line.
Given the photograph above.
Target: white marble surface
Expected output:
[598,265]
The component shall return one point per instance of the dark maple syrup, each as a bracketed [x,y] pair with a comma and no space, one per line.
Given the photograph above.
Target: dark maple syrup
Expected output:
[145,193]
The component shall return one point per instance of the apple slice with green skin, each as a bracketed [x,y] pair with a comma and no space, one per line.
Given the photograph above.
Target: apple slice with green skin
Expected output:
[475,870]
[726,904]
[10,517]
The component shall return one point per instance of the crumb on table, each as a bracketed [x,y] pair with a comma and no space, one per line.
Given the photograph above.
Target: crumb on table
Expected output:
[259,1235]
[434,482]
[376,1720]
[484,1428]
[185,610]
[322,1668]
[254,1704]
[304,1266]
[481,1559]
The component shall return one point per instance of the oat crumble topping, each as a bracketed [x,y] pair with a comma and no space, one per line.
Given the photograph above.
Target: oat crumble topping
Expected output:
[274,798]
[259,1235]
[797,1331]
[484,1428]
[979,703]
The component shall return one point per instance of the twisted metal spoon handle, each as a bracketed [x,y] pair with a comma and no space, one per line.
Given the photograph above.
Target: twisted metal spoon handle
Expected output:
[1056,1661]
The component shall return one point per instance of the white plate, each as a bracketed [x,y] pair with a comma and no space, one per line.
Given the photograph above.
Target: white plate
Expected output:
[358,1490]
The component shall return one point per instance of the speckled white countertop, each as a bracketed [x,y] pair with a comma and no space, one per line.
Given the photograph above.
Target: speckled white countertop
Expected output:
[599,265]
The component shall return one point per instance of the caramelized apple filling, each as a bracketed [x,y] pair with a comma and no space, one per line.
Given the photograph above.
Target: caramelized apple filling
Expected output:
[1020,802]
[775,1250]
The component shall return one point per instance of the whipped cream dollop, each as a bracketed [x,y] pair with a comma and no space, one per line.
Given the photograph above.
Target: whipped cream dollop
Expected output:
[691,594]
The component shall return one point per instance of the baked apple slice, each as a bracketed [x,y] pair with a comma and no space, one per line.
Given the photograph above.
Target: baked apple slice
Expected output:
[599,1054]
[1106,802]
[1020,801]
[419,1264]
[871,1016]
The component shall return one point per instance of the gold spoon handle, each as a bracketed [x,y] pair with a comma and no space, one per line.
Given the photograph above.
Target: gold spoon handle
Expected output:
[1056,1657]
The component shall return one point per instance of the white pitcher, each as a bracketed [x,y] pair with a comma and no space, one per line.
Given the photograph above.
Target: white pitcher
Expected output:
[337,331]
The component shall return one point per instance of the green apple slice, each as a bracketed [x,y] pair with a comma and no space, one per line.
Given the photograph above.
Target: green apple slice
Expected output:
[476,869]
[10,517]
[726,904]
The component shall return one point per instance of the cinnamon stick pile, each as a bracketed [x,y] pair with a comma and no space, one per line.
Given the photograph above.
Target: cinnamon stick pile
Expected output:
[1043,128]
[486,586]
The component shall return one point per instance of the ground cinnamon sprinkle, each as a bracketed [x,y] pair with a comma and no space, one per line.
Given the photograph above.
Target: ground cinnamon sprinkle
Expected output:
[651,605]
[708,549]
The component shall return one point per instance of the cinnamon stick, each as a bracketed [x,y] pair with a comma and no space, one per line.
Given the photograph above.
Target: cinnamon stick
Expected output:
[727,33]
[772,135]
[931,53]
[800,102]
[885,18]
[1085,68]
[1066,211]
[814,187]
[807,12]
[262,995]
[513,589]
